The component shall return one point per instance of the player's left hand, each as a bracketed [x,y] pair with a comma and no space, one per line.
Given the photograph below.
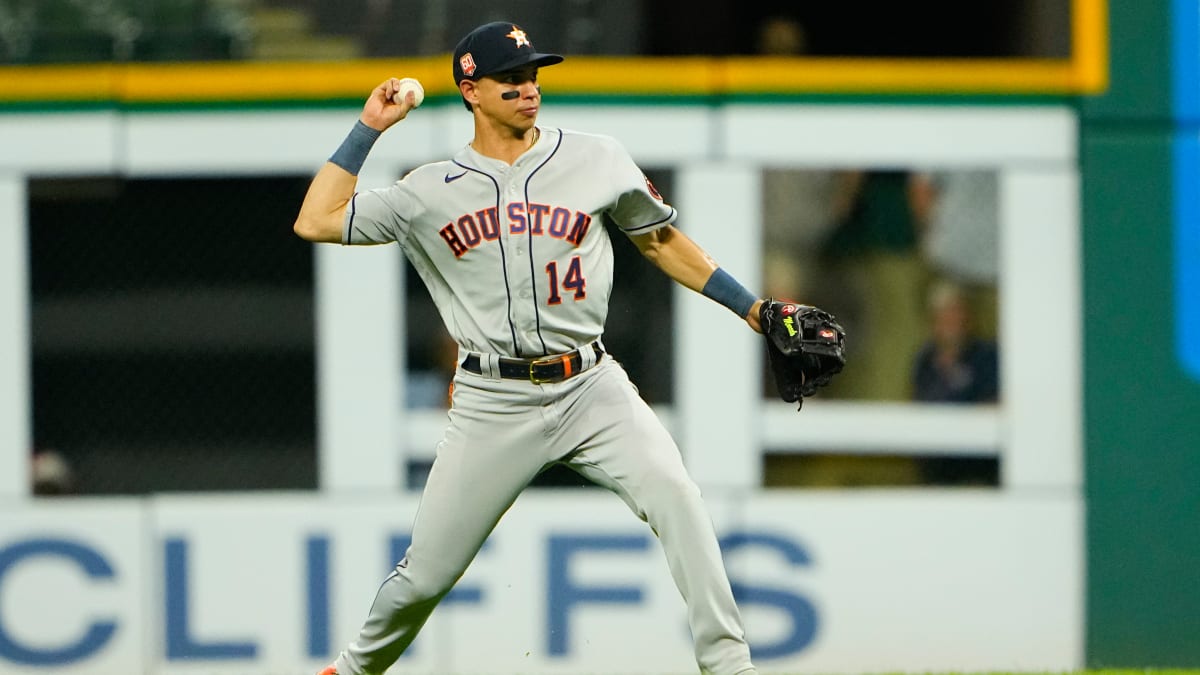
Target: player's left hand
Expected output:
[805,346]
[381,111]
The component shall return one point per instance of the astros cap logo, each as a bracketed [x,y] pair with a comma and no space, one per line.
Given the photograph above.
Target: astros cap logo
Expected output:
[467,63]
[519,37]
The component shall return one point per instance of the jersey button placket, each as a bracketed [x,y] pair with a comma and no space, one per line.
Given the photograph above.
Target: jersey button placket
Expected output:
[524,251]
[518,273]
[513,197]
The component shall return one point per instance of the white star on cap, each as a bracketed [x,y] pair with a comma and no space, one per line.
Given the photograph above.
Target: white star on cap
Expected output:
[519,35]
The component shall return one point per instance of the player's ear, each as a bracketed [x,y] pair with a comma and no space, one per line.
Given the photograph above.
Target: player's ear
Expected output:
[469,89]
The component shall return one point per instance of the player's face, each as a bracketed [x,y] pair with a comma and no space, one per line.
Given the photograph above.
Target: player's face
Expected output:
[512,97]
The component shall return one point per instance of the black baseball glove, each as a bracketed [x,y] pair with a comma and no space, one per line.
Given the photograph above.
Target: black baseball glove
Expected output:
[806,347]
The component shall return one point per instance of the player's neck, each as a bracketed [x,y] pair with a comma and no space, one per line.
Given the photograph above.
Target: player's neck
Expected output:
[505,144]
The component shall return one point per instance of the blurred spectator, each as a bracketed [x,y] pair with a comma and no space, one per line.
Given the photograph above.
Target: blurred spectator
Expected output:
[875,273]
[847,242]
[961,241]
[51,473]
[954,365]
[797,217]
[781,36]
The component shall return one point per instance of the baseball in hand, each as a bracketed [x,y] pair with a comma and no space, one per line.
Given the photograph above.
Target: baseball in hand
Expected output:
[406,85]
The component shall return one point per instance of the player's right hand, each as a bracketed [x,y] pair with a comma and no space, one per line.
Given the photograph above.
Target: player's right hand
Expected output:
[380,111]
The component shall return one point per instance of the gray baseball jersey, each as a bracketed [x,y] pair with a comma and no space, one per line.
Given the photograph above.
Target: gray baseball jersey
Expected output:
[519,264]
[517,258]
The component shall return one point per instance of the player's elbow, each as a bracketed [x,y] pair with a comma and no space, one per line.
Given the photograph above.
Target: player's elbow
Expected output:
[303,227]
[316,230]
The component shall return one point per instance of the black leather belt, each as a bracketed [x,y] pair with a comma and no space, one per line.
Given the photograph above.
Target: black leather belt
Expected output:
[538,371]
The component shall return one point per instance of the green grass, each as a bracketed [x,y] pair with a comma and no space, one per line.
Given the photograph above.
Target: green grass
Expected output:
[1097,671]
[1101,671]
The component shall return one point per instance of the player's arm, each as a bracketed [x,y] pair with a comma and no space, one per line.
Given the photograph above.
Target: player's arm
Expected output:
[324,207]
[683,260]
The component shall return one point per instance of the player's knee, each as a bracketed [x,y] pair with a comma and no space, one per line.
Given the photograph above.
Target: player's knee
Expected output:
[672,487]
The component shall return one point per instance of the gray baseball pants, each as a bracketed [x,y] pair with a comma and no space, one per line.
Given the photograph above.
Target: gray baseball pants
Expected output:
[501,434]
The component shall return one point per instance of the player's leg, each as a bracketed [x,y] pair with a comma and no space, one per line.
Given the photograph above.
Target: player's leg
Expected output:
[623,446]
[475,477]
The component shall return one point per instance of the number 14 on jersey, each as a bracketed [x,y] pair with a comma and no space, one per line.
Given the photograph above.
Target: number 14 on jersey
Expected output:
[572,281]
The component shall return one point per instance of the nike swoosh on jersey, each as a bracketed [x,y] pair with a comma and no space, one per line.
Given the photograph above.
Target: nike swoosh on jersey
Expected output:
[451,179]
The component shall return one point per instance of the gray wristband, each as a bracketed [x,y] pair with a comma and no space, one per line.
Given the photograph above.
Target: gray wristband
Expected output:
[726,290]
[351,154]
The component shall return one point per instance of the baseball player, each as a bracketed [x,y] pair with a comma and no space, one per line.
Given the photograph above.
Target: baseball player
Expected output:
[509,239]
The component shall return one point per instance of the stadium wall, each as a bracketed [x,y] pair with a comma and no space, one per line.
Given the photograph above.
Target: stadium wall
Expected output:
[1139,149]
[260,584]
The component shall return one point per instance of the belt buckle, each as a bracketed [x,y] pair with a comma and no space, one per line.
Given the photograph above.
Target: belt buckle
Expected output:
[543,362]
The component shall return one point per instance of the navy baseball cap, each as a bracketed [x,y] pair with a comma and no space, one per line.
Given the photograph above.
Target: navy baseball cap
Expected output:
[494,48]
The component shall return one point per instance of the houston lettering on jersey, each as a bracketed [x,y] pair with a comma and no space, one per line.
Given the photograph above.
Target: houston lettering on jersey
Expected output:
[472,229]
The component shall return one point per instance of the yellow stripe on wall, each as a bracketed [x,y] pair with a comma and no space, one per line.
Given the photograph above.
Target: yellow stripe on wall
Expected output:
[1086,72]
[237,81]
[974,76]
[1089,40]
[58,83]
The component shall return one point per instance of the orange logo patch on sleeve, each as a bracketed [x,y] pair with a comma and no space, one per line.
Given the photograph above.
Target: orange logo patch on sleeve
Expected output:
[653,190]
